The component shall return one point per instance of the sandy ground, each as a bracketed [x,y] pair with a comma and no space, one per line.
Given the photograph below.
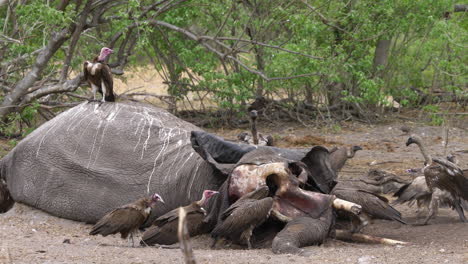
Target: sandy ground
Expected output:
[31,236]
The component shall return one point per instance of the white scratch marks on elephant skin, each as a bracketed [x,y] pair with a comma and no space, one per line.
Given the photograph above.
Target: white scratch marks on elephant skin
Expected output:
[193,179]
[163,148]
[94,143]
[141,132]
[145,145]
[183,164]
[179,148]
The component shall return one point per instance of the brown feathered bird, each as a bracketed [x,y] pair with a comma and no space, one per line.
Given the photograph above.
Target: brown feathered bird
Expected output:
[255,138]
[99,76]
[6,201]
[373,207]
[164,229]
[339,156]
[241,218]
[418,192]
[126,219]
[444,175]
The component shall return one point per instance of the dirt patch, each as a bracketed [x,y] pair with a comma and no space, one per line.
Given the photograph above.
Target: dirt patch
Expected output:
[31,236]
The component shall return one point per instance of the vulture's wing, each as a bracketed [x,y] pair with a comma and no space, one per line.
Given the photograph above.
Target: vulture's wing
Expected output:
[107,78]
[449,177]
[167,217]
[413,191]
[124,218]
[166,234]
[372,204]
[245,214]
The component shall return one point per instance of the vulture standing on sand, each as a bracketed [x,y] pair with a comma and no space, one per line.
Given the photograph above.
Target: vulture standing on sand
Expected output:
[164,228]
[6,201]
[444,175]
[99,76]
[241,218]
[339,156]
[256,138]
[126,219]
[373,207]
[418,192]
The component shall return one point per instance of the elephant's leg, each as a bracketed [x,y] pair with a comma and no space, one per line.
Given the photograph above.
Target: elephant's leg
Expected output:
[301,232]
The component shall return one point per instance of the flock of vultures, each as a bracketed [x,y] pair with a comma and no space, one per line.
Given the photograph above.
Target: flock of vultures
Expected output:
[443,183]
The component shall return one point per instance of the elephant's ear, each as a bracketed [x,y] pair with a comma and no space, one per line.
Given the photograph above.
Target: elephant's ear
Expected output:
[218,152]
[321,174]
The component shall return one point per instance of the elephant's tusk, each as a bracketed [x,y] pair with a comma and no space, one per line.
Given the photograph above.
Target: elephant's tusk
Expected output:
[348,236]
[341,204]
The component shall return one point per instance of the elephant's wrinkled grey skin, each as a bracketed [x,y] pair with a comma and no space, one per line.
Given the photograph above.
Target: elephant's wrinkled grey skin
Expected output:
[93,158]
[96,157]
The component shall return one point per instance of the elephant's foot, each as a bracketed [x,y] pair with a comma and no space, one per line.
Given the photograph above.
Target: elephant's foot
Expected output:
[302,232]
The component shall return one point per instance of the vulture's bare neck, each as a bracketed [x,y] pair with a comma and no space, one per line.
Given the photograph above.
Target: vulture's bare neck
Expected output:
[427,157]
[350,153]
[254,131]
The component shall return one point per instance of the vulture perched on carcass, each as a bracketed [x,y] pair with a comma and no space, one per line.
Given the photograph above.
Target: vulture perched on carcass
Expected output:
[443,175]
[339,156]
[373,205]
[256,138]
[126,219]
[241,218]
[6,201]
[164,228]
[99,76]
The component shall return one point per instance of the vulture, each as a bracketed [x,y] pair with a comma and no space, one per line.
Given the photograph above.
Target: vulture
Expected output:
[376,181]
[373,207]
[164,229]
[418,192]
[256,138]
[339,156]
[126,219]
[443,175]
[239,220]
[99,76]
[6,201]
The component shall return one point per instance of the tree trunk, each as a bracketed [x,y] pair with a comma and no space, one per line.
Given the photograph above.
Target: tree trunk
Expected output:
[11,100]
[381,54]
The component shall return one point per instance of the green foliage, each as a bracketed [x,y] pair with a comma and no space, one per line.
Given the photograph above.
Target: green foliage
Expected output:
[436,118]
[427,52]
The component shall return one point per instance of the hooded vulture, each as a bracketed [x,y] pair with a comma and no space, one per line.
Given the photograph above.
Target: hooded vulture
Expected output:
[444,175]
[126,219]
[241,218]
[99,76]
[373,207]
[164,228]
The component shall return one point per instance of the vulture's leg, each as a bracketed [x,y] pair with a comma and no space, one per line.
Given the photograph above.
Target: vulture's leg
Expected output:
[359,222]
[459,209]
[95,89]
[246,235]
[104,90]
[215,240]
[433,207]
